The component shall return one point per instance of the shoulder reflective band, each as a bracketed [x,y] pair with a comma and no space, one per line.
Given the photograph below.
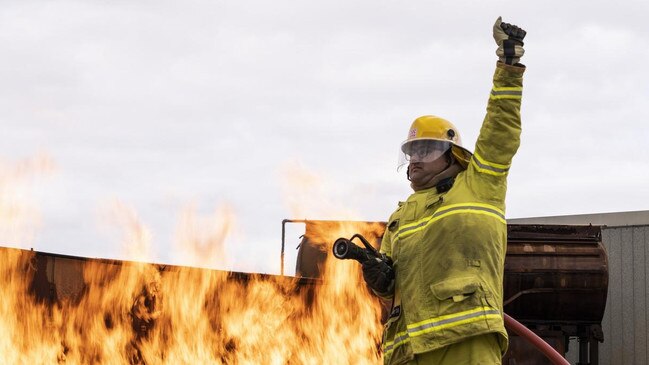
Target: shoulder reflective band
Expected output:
[487,167]
[445,211]
[440,323]
[506,93]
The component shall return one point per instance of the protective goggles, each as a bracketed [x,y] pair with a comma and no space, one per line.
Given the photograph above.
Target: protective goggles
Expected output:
[423,150]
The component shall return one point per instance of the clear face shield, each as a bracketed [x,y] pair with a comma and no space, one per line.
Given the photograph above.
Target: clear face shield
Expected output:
[423,150]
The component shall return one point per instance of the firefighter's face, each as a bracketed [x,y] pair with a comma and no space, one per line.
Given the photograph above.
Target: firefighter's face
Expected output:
[422,173]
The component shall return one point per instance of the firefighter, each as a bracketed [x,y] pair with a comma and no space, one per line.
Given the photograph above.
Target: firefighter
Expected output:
[446,243]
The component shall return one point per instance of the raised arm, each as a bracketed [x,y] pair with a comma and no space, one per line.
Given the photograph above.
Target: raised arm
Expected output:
[500,133]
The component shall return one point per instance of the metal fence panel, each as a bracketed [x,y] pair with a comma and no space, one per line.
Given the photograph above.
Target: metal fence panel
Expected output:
[625,319]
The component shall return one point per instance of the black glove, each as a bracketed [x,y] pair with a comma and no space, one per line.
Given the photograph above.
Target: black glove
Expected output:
[509,39]
[379,275]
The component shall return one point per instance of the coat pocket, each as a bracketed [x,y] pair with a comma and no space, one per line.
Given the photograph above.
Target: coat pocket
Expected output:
[458,309]
[456,289]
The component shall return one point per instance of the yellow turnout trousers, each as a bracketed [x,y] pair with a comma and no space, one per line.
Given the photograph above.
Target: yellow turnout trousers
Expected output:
[477,350]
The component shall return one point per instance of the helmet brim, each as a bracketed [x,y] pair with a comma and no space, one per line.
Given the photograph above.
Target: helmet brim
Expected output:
[462,155]
[405,144]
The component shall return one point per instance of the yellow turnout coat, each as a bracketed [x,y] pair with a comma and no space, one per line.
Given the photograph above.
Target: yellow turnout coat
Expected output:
[449,248]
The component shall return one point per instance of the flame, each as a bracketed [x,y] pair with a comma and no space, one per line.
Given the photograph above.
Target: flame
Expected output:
[136,241]
[19,218]
[132,312]
[200,240]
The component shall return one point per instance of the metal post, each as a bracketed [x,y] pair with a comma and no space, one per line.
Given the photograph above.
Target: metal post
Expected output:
[281,270]
[594,351]
[583,351]
[284,221]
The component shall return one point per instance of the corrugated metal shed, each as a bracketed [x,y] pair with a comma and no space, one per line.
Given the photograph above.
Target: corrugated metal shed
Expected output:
[625,323]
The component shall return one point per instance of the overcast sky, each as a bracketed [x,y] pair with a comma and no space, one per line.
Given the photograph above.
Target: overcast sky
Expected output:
[261,111]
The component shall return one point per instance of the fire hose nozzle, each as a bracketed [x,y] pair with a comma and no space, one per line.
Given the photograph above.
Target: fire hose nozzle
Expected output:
[345,249]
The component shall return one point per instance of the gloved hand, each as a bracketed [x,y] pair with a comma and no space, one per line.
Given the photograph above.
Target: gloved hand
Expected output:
[510,42]
[379,275]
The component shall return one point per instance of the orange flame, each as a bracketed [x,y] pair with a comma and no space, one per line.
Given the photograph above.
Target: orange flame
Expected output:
[139,313]
[19,219]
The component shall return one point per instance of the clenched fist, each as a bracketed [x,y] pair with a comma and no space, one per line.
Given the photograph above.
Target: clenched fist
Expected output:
[509,39]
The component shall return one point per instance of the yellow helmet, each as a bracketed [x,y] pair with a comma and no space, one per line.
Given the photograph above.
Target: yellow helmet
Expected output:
[432,128]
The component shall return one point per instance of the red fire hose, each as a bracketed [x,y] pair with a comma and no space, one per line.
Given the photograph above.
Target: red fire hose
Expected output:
[547,350]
